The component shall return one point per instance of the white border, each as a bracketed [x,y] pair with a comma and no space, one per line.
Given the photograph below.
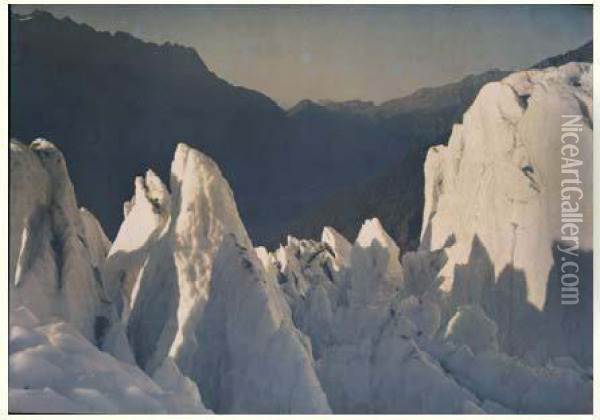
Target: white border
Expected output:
[4,188]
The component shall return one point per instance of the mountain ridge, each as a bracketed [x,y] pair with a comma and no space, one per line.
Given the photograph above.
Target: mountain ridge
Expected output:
[128,103]
[118,105]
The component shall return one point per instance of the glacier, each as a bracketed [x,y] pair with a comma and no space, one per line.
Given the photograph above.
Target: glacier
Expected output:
[254,360]
[176,272]
[182,313]
[54,369]
[68,351]
[496,189]
[57,249]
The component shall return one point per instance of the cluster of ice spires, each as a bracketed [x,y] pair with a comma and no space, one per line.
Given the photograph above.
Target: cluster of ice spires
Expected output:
[182,312]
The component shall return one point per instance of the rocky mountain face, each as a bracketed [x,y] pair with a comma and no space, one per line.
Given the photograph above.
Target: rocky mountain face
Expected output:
[116,105]
[323,129]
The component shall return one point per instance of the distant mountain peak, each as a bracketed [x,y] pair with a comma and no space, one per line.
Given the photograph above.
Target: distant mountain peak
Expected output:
[305,105]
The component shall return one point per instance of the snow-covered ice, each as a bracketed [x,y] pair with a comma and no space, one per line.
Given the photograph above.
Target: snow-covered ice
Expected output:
[181,312]
[176,266]
[257,361]
[54,369]
[496,190]
[146,217]
[56,248]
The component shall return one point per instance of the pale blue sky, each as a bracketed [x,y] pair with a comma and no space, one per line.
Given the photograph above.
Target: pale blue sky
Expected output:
[348,52]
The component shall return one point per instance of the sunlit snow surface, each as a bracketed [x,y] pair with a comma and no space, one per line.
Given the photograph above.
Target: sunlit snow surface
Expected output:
[496,191]
[181,312]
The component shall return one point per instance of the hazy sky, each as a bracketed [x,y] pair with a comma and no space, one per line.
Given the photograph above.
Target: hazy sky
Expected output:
[348,52]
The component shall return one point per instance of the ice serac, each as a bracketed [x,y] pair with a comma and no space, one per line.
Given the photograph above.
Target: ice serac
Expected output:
[175,276]
[146,217]
[409,348]
[309,274]
[56,248]
[350,301]
[204,212]
[205,301]
[375,265]
[339,246]
[256,361]
[496,188]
